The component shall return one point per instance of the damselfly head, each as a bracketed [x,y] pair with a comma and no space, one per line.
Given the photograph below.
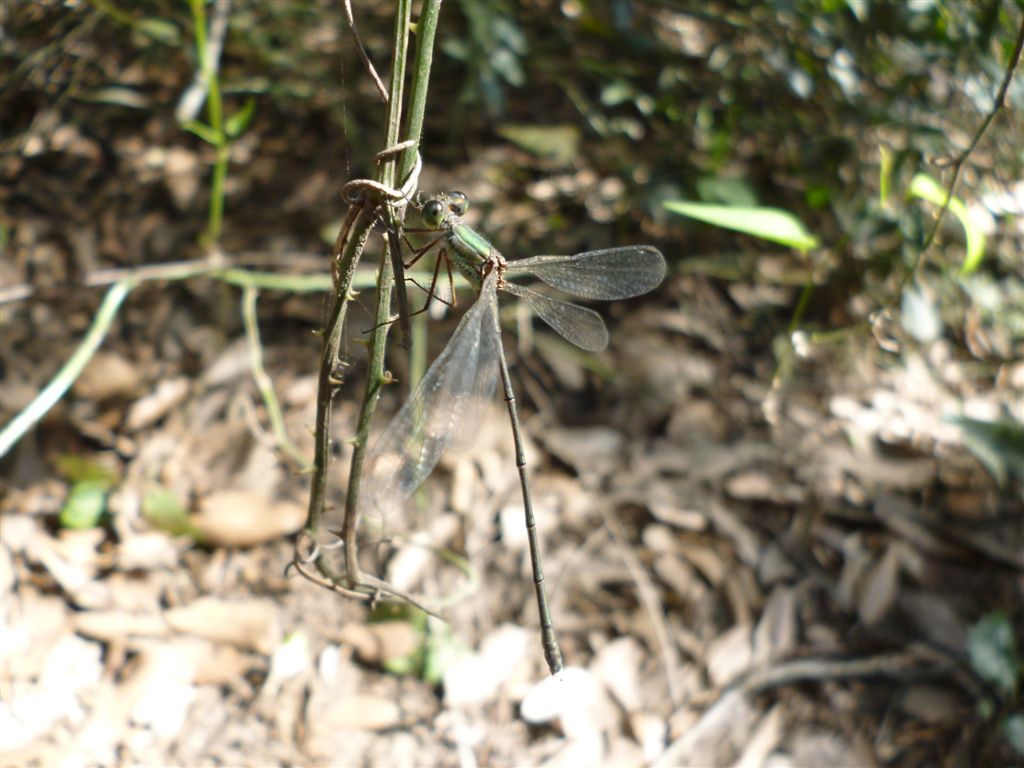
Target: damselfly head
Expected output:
[437,210]
[457,202]
[434,213]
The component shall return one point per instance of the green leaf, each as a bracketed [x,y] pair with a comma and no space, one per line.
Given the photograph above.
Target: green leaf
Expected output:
[728,191]
[772,224]
[998,445]
[927,188]
[442,649]
[239,121]
[884,174]
[85,506]
[203,131]
[558,143]
[116,95]
[990,647]
[1013,730]
[160,30]
[163,510]
[79,469]
[437,649]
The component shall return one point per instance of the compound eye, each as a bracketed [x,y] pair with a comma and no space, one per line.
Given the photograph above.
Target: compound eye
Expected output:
[458,203]
[433,213]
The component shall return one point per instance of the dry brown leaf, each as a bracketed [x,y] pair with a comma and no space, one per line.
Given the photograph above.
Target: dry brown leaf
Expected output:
[378,643]
[878,590]
[184,171]
[108,375]
[240,518]
[168,395]
[120,625]
[932,704]
[478,677]
[716,737]
[776,634]
[360,712]
[594,450]
[936,619]
[765,738]
[617,666]
[253,624]
[730,655]
[757,485]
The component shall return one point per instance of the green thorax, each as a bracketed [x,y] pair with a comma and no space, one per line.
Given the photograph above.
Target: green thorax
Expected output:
[471,252]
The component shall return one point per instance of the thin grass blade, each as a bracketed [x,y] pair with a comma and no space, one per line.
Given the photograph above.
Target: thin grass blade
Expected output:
[582,326]
[613,273]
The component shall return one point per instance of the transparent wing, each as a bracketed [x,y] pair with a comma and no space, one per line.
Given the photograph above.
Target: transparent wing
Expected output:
[442,413]
[582,326]
[614,273]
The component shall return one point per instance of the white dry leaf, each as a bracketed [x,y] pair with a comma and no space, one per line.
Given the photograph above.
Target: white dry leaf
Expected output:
[936,619]
[707,561]
[73,561]
[658,538]
[184,172]
[674,514]
[729,523]
[814,746]
[464,486]
[774,566]
[380,642]
[241,518]
[233,362]
[730,655]
[110,626]
[879,588]
[617,666]
[418,555]
[765,738]
[291,659]
[107,375]
[477,678]
[162,687]
[681,578]
[566,695]
[776,634]
[146,411]
[932,704]
[856,560]
[139,551]
[253,624]
[650,732]
[590,451]
[585,750]
[73,665]
[717,737]
[359,712]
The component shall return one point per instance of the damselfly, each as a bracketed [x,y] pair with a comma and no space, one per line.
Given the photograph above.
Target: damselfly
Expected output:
[463,377]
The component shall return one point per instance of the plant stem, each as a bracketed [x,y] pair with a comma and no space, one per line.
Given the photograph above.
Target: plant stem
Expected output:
[59,384]
[348,249]
[375,377]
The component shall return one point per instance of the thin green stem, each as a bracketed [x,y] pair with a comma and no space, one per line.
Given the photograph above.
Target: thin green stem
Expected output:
[426,30]
[215,112]
[348,249]
[70,371]
[351,241]
[263,381]
[375,377]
